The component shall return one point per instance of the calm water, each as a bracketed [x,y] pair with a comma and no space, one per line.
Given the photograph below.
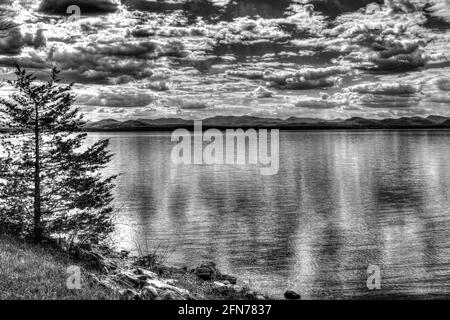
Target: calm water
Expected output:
[342,201]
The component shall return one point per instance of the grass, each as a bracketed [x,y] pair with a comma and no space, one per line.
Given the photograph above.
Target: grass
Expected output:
[39,272]
[152,257]
[35,272]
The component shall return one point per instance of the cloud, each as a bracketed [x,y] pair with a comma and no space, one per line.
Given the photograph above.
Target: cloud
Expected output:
[388,101]
[440,8]
[96,62]
[302,79]
[443,84]
[402,6]
[140,49]
[194,105]
[396,55]
[324,102]
[305,78]
[379,38]
[14,40]
[262,92]
[386,95]
[149,61]
[379,88]
[115,97]
[86,6]
[438,98]
[249,74]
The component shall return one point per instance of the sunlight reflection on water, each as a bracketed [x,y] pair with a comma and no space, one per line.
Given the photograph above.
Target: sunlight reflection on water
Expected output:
[342,201]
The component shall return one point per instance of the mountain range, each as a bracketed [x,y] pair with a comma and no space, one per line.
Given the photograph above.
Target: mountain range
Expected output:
[245,122]
[225,122]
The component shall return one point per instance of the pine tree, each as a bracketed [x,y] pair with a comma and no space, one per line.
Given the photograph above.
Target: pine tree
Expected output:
[51,183]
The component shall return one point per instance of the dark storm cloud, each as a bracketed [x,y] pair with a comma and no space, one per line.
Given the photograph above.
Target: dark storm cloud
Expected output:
[194,105]
[13,40]
[86,6]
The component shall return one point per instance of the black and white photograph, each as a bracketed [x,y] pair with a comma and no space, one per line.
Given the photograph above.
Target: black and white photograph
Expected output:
[249,151]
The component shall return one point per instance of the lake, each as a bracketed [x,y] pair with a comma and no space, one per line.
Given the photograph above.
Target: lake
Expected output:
[342,201]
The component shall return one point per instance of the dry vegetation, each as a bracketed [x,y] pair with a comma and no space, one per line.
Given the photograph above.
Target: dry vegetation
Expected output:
[37,272]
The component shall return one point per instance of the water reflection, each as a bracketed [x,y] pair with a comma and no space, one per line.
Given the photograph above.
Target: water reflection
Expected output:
[341,201]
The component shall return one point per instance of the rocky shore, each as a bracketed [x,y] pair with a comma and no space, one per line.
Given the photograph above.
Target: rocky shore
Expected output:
[139,278]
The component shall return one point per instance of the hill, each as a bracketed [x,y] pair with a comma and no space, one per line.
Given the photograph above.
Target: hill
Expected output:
[293,123]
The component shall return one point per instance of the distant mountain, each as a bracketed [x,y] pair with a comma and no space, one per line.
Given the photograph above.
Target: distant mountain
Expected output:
[223,122]
[437,119]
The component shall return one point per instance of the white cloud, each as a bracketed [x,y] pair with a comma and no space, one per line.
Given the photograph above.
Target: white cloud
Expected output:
[115,97]
[387,95]
[262,92]
[324,102]
[385,88]
[443,84]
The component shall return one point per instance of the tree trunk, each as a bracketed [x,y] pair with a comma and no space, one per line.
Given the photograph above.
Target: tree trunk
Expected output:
[37,181]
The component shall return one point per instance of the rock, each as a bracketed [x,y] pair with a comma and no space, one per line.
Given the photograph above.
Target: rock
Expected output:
[218,284]
[220,287]
[128,279]
[128,294]
[170,295]
[142,277]
[146,273]
[170,282]
[206,271]
[149,292]
[93,280]
[250,295]
[164,286]
[228,278]
[291,295]
[124,254]
[238,289]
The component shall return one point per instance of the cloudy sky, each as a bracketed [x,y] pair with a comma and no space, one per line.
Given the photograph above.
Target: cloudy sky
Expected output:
[273,58]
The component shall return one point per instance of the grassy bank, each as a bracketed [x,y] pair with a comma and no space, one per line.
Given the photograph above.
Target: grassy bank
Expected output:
[29,271]
[39,272]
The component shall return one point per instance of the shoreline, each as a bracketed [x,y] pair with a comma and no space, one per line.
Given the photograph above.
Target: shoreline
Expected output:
[140,278]
[106,274]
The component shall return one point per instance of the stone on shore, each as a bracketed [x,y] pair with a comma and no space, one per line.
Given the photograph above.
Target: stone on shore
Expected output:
[206,271]
[128,279]
[225,277]
[149,292]
[133,281]
[291,295]
[146,273]
[170,295]
[129,294]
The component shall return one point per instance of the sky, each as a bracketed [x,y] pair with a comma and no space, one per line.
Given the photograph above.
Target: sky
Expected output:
[196,59]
